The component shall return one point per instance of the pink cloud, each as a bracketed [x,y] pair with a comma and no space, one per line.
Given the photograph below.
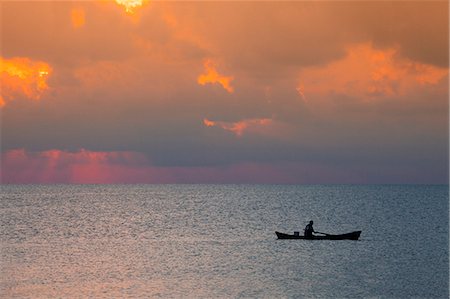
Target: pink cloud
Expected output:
[56,166]
[90,167]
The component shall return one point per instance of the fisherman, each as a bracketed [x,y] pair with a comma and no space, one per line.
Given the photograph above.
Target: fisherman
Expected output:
[309,230]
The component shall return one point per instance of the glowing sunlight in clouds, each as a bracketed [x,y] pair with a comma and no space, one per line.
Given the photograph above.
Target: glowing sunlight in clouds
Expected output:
[130,5]
[368,73]
[78,18]
[212,76]
[171,89]
[21,76]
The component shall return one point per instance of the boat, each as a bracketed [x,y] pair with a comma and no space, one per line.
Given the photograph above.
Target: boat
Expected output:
[349,236]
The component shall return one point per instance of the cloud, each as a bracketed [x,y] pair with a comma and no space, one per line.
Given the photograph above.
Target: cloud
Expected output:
[91,167]
[238,128]
[212,76]
[419,29]
[209,123]
[301,91]
[97,167]
[23,77]
[269,41]
[324,82]
[20,166]
[45,31]
[130,5]
[369,74]
[78,17]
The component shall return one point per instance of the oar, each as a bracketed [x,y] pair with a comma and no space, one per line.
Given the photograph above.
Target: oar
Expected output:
[323,233]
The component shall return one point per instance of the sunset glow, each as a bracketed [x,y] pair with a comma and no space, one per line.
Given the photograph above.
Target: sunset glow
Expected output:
[159,149]
[166,91]
[212,76]
[76,167]
[78,18]
[130,5]
[23,77]
[369,74]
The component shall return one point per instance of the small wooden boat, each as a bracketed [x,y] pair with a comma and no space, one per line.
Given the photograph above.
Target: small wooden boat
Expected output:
[349,236]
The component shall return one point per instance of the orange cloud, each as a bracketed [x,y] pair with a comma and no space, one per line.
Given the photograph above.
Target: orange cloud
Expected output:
[212,76]
[209,123]
[130,5]
[21,76]
[428,74]
[238,128]
[78,17]
[368,73]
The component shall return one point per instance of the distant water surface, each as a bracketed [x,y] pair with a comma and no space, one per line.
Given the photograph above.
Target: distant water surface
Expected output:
[109,241]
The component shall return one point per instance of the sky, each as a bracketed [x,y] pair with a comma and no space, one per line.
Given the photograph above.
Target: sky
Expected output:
[291,92]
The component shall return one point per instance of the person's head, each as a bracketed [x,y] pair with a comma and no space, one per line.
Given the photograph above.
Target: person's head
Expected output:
[311,222]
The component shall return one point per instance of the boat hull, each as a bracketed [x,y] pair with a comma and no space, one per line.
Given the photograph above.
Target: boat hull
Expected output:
[349,236]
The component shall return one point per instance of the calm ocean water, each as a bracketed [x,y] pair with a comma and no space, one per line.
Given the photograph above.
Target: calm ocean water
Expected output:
[218,241]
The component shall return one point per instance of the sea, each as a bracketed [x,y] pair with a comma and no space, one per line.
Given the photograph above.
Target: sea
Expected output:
[218,241]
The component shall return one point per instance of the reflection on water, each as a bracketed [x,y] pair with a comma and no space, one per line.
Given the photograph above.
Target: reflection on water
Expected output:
[219,241]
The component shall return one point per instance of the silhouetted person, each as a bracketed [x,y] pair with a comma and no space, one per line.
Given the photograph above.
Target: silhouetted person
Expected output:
[309,230]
